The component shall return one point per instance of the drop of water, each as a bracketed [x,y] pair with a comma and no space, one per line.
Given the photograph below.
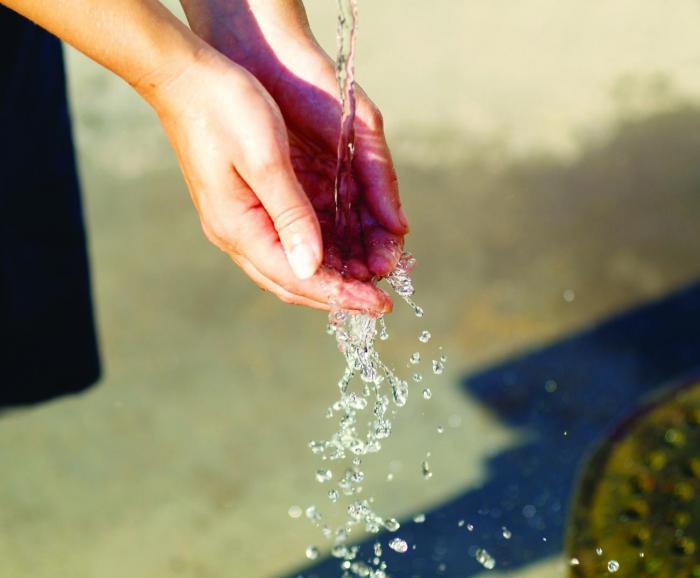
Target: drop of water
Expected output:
[424,336]
[425,470]
[333,495]
[323,476]
[313,514]
[613,566]
[414,359]
[312,552]
[392,524]
[383,332]
[440,429]
[294,512]
[417,377]
[574,562]
[460,523]
[470,527]
[398,545]
[418,311]
[485,559]
[377,549]
[507,534]
[454,421]
[599,551]
[419,519]
[438,367]
[427,393]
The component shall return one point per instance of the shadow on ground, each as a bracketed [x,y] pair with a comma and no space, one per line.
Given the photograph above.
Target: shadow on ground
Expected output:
[567,395]
[563,397]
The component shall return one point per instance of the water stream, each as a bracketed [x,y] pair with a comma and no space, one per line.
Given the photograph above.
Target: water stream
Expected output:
[370,392]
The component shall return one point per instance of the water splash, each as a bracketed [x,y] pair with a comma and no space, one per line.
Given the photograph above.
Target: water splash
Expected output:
[485,559]
[370,392]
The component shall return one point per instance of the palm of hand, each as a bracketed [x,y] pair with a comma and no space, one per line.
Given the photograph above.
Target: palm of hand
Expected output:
[366,240]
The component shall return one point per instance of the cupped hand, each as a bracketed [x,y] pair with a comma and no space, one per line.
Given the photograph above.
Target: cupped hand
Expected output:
[271,39]
[234,151]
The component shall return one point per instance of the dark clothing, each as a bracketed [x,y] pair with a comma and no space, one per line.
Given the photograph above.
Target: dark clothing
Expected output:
[47,335]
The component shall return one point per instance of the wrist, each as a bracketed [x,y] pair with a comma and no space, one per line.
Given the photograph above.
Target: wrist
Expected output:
[160,85]
[256,34]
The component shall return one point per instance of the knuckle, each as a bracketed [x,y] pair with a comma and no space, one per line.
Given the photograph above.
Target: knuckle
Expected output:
[267,165]
[289,217]
[221,235]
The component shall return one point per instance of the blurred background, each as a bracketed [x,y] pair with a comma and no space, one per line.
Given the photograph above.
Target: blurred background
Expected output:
[549,160]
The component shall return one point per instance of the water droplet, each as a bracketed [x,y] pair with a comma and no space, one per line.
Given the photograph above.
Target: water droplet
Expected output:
[485,559]
[323,476]
[418,311]
[377,549]
[414,359]
[438,367]
[424,336]
[574,562]
[427,393]
[313,514]
[551,386]
[390,477]
[460,523]
[599,551]
[312,552]
[613,566]
[294,512]
[398,545]
[417,377]
[425,470]
[333,495]
[392,524]
[454,421]
[507,534]
[470,527]
[419,519]
[383,333]
[440,429]
[569,295]
[400,392]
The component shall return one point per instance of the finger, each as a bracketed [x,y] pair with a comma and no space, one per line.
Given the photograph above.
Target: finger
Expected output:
[267,170]
[269,285]
[356,265]
[265,252]
[383,248]
[375,169]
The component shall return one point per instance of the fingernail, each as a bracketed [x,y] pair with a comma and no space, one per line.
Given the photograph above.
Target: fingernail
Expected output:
[303,261]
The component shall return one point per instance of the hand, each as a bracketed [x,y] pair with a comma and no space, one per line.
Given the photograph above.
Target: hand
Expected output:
[232,145]
[272,40]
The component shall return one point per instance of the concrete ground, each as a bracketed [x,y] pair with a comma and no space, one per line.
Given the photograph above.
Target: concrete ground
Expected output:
[548,156]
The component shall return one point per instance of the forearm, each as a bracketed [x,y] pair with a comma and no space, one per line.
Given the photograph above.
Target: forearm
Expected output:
[139,40]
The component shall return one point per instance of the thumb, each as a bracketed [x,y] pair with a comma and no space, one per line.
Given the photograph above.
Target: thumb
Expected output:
[291,213]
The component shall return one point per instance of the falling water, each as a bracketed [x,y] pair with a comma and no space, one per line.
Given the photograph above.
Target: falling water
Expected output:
[345,73]
[365,405]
